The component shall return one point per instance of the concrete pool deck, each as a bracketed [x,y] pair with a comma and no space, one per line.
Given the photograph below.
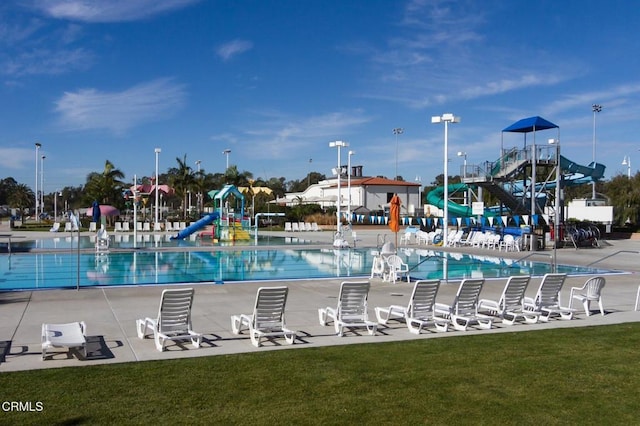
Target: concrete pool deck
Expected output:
[110,313]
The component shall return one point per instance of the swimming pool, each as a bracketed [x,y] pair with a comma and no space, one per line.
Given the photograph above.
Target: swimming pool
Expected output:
[65,269]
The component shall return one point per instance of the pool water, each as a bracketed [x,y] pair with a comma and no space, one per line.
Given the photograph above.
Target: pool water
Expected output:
[67,269]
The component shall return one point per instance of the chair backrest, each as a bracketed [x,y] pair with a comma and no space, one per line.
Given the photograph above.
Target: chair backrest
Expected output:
[125,226]
[174,315]
[549,290]
[423,298]
[466,300]
[353,300]
[395,262]
[513,292]
[268,312]
[594,287]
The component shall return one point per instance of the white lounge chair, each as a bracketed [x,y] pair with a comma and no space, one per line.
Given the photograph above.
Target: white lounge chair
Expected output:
[93,227]
[419,311]
[351,311]
[396,268]
[546,303]
[125,226]
[168,227]
[295,227]
[68,227]
[314,227]
[267,319]
[70,335]
[117,227]
[146,227]
[510,306]
[463,312]
[591,291]
[173,321]
[55,227]
[287,227]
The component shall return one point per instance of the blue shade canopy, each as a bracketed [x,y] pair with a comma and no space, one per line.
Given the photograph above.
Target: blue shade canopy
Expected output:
[530,124]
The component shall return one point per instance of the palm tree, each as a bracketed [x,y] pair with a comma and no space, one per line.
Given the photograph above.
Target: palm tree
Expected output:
[183,180]
[21,197]
[105,187]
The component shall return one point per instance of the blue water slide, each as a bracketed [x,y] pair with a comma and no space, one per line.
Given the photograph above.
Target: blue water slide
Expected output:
[196,226]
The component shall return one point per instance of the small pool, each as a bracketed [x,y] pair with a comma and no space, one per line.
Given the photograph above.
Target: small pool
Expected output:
[67,269]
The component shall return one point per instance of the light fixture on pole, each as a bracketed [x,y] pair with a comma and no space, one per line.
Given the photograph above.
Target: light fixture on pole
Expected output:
[227,152]
[42,184]
[55,205]
[397,131]
[156,223]
[349,187]
[558,204]
[37,206]
[446,119]
[627,162]
[596,108]
[339,240]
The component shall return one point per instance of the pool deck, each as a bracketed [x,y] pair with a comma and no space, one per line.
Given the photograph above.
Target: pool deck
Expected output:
[110,313]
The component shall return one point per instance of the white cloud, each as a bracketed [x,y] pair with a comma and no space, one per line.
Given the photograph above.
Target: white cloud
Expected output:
[229,50]
[88,109]
[15,158]
[47,61]
[107,10]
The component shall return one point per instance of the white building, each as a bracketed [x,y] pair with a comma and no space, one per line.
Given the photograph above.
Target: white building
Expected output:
[366,194]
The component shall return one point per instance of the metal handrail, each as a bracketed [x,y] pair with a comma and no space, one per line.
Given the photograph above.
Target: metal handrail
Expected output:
[613,254]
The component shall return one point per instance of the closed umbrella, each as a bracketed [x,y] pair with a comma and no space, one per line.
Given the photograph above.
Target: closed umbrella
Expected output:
[394,215]
[95,212]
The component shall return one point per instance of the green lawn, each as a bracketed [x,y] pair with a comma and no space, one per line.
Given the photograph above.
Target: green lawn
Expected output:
[581,375]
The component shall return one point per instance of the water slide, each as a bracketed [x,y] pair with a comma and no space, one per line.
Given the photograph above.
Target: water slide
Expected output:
[196,226]
[577,175]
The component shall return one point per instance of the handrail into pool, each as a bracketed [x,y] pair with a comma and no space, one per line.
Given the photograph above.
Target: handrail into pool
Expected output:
[613,254]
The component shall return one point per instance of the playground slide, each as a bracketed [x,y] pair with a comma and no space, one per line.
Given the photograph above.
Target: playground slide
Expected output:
[579,175]
[194,227]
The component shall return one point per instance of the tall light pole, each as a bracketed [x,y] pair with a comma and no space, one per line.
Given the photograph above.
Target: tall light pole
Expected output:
[464,174]
[349,186]
[157,151]
[419,180]
[42,157]
[556,217]
[227,152]
[339,145]
[37,206]
[627,162]
[199,186]
[446,119]
[397,131]
[596,109]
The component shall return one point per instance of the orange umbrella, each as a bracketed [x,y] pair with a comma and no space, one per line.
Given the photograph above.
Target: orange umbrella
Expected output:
[394,215]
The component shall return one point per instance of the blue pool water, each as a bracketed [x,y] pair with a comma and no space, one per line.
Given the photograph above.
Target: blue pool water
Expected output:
[66,269]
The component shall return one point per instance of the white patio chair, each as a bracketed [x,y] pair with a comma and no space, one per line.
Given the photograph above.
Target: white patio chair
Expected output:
[396,268]
[173,321]
[352,308]
[267,319]
[93,227]
[463,312]
[146,227]
[295,227]
[419,312]
[510,306]
[591,291]
[68,227]
[71,335]
[314,227]
[125,226]
[168,227]
[547,300]
[287,227]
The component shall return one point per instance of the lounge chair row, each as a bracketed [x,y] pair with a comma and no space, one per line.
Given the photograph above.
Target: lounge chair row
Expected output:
[301,226]
[267,321]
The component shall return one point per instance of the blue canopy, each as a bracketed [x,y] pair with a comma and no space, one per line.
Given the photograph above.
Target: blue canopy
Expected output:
[530,124]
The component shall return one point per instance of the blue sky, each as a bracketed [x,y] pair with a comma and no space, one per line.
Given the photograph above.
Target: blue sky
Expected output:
[276,81]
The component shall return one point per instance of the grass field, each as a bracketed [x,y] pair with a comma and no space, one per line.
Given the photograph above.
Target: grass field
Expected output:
[586,375]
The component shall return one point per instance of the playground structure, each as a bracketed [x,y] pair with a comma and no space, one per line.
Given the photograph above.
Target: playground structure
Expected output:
[228,224]
[523,180]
